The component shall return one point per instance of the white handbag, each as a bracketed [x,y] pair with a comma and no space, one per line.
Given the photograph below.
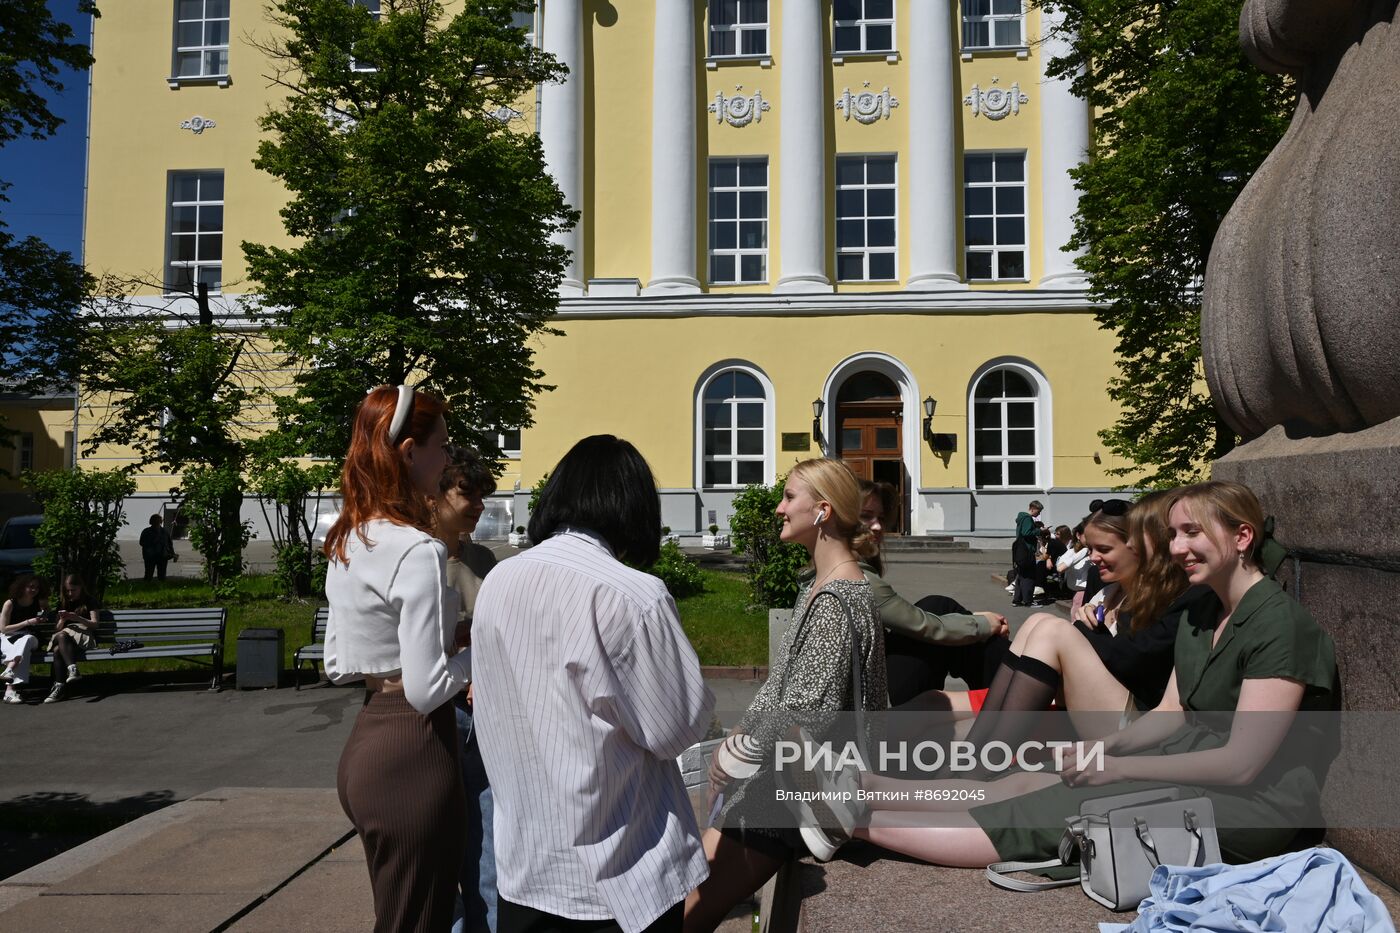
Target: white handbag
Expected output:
[1120,840]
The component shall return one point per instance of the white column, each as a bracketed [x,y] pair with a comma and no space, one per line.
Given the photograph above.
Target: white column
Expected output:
[673,150]
[933,151]
[1064,143]
[802,124]
[561,126]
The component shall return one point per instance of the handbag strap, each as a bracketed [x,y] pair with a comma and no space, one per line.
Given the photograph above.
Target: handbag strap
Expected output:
[1194,859]
[857,693]
[997,874]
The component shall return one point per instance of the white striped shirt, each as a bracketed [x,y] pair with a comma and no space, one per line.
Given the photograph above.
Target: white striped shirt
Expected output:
[586,691]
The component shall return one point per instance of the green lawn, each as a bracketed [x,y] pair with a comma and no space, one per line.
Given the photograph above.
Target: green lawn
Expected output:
[718,622]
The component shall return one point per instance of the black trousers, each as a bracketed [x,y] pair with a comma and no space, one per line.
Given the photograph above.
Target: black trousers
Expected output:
[516,918]
[914,666]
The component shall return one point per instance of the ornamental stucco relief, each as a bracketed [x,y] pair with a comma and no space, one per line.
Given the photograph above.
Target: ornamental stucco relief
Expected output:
[996,103]
[867,106]
[197,124]
[739,110]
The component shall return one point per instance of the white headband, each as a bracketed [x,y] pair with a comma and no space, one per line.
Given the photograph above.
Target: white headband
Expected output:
[402,409]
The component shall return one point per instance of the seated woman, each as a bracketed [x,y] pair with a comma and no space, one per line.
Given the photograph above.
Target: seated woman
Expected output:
[1073,565]
[21,617]
[820,510]
[1245,647]
[75,632]
[927,641]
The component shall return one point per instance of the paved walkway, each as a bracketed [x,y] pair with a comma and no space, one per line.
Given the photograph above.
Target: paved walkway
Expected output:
[221,806]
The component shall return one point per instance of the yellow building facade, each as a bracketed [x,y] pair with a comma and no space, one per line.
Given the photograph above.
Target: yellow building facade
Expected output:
[808,226]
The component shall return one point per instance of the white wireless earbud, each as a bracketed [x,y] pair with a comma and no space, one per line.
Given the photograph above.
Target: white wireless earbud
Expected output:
[821,517]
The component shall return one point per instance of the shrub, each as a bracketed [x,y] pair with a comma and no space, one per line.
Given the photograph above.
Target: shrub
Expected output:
[773,565]
[213,499]
[537,492]
[82,515]
[714,529]
[291,489]
[678,571]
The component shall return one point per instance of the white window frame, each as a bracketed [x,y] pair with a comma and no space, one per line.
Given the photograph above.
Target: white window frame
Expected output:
[769,434]
[991,19]
[1043,458]
[203,48]
[738,190]
[867,250]
[738,29]
[863,23]
[530,30]
[503,435]
[171,263]
[996,249]
[376,10]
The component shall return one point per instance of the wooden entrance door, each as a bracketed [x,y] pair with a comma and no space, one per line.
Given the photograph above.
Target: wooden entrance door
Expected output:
[869,435]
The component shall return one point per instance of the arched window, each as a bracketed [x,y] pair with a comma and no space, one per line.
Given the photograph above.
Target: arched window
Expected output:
[1006,426]
[734,428]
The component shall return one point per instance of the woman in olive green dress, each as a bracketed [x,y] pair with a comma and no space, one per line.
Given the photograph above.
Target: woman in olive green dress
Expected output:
[1247,648]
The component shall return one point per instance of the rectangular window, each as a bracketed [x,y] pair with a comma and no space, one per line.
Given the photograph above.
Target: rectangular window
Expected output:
[993,24]
[24,452]
[196,225]
[525,21]
[373,7]
[994,216]
[738,27]
[863,26]
[508,439]
[738,221]
[201,38]
[865,219]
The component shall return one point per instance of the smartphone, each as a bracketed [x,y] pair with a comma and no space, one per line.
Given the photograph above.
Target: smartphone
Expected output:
[1099,613]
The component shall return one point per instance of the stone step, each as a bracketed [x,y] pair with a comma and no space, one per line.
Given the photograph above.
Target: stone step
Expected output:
[897,543]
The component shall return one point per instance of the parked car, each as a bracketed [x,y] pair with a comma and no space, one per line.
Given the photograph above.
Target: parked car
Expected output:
[17,548]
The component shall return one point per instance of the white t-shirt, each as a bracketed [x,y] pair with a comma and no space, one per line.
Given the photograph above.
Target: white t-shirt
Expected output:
[391,612]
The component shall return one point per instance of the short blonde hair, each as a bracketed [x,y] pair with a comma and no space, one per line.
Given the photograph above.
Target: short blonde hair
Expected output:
[1228,505]
[832,481]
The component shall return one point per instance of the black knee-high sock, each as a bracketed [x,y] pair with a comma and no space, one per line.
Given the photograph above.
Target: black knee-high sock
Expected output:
[1030,688]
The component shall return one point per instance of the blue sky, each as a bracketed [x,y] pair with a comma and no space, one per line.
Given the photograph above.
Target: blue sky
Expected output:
[46,193]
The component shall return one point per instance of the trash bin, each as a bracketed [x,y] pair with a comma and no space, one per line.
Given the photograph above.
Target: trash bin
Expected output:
[259,658]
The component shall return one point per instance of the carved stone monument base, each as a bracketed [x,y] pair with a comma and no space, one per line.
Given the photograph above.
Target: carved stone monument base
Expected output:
[1336,502]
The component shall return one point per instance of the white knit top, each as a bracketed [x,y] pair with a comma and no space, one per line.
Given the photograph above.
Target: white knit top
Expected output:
[391,612]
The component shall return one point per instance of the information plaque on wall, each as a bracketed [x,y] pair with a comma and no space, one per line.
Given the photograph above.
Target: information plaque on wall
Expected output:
[799,441]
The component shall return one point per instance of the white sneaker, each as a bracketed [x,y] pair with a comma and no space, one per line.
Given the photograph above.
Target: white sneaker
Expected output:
[7,675]
[55,694]
[1040,591]
[73,673]
[12,696]
[1011,588]
[828,810]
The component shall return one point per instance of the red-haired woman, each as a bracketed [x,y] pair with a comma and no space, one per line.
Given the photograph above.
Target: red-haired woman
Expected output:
[391,625]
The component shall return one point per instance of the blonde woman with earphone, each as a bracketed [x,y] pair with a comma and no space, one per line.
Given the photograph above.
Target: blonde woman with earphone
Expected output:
[820,510]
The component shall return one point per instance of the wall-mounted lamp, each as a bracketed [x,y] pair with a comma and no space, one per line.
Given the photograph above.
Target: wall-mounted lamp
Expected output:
[938,443]
[818,406]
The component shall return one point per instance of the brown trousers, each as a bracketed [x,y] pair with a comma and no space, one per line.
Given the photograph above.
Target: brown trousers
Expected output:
[400,782]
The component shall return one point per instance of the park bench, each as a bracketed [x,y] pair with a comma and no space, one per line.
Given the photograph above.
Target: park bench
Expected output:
[315,653]
[162,633]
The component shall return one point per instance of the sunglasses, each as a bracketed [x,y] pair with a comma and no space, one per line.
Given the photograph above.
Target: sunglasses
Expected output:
[1115,507]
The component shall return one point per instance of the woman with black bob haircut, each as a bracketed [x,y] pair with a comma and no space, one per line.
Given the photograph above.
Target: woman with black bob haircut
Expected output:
[605,485]
[586,690]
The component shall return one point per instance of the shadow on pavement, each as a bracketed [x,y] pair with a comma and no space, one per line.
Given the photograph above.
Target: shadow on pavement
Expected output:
[35,827]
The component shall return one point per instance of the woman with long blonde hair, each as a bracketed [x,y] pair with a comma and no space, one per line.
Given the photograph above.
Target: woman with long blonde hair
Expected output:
[820,509]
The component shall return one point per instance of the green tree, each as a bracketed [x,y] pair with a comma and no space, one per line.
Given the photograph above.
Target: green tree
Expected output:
[1182,120]
[422,212]
[178,391]
[773,566]
[294,493]
[82,515]
[38,284]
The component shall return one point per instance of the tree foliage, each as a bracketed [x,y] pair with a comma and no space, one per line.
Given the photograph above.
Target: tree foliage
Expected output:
[773,566]
[38,284]
[1182,121]
[422,218]
[294,492]
[82,515]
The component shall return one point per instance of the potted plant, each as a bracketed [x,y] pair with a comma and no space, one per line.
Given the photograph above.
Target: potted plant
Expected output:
[714,539]
[518,538]
[666,535]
